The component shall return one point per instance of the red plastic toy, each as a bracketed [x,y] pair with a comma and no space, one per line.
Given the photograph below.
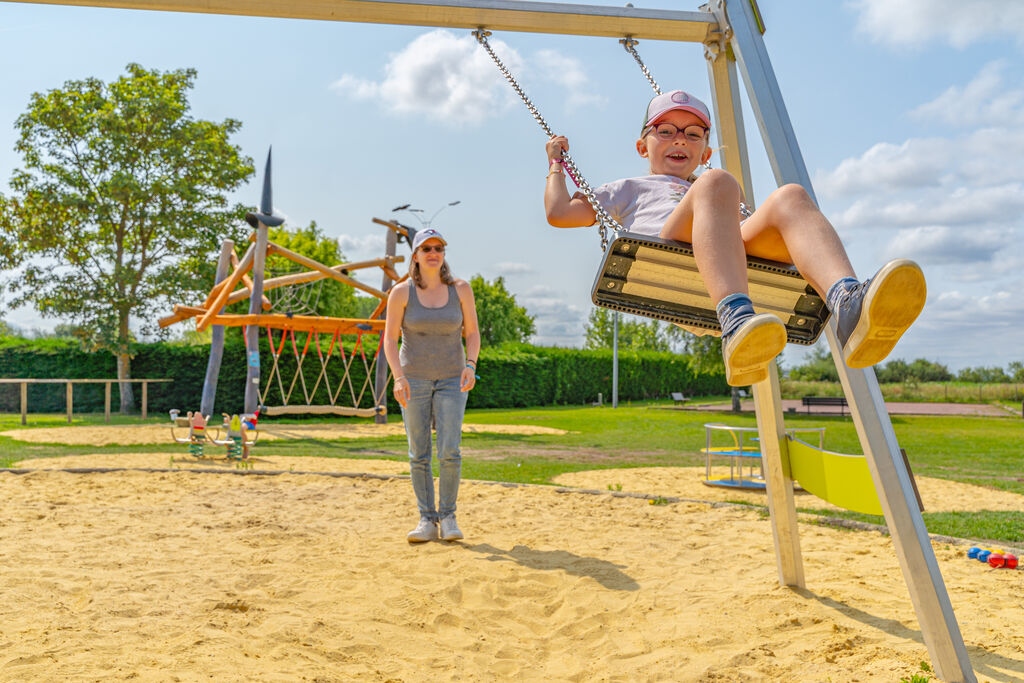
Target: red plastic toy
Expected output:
[1000,561]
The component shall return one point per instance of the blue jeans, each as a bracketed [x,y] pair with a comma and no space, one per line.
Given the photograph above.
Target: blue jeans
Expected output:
[439,402]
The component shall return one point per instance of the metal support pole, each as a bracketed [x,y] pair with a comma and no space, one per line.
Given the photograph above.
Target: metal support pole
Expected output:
[68,399]
[380,380]
[903,518]
[24,402]
[939,628]
[216,338]
[106,402]
[615,359]
[252,332]
[145,398]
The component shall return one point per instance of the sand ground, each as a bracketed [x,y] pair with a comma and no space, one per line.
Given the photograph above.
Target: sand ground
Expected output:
[145,435]
[185,575]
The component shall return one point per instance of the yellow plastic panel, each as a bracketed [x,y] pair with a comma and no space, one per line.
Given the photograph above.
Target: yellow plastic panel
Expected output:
[842,480]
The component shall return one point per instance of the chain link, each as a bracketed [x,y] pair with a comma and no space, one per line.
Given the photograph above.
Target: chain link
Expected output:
[604,219]
[630,46]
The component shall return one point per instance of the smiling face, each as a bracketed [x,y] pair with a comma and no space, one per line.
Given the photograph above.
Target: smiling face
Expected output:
[678,156]
[430,254]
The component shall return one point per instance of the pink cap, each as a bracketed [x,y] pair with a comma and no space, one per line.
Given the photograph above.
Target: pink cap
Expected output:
[676,99]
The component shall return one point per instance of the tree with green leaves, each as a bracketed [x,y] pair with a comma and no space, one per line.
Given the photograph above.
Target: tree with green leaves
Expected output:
[1016,371]
[818,366]
[634,333]
[120,206]
[325,297]
[501,319]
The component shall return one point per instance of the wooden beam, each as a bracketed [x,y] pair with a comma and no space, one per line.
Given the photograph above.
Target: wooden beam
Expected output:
[496,15]
[240,269]
[180,313]
[300,323]
[247,283]
[213,307]
[316,265]
[313,275]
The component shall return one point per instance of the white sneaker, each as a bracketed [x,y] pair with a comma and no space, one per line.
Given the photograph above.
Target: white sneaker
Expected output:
[426,530]
[450,529]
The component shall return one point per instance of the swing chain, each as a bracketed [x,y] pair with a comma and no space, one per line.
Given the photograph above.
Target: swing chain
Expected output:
[604,219]
[630,45]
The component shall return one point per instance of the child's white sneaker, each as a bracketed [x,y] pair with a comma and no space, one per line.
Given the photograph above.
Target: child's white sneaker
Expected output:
[450,529]
[426,530]
[874,314]
[751,348]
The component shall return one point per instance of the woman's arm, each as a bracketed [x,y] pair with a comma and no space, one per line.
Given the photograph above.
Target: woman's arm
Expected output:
[471,331]
[397,300]
[562,210]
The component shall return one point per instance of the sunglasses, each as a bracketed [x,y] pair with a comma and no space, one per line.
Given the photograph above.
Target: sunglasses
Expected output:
[432,247]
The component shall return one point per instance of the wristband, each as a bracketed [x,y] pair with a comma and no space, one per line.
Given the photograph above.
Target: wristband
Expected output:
[555,171]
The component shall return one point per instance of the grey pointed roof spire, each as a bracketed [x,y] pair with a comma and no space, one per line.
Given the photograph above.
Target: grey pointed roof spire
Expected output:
[266,212]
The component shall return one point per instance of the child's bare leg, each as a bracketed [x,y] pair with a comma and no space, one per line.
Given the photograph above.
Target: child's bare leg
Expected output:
[873,315]
[708,218]
[789,227]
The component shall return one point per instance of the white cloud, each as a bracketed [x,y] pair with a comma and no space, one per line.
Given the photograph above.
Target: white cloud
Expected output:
[362,246]
[945,201]
[987,100]
[558,323]
[452,79]
[913,23]
[568,73]
[941,244]
[1000,205]
[541,292]
[998,309]
[886,167]
[506,269]
[439,75]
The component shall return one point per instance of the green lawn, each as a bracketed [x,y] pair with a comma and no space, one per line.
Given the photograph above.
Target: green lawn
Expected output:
[979,450]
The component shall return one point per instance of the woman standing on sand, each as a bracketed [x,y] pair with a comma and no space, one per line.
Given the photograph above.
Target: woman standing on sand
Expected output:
[432,312]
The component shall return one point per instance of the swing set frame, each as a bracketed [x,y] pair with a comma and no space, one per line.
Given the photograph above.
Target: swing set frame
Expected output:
[730,31]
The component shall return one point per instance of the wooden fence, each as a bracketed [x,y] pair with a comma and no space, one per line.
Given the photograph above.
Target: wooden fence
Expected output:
[24,382]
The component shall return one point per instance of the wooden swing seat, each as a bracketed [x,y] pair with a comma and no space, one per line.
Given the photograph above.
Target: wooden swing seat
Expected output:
[343,411]
[658,278]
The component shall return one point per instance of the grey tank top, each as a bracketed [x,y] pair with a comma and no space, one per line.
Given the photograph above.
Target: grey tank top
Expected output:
[432,338]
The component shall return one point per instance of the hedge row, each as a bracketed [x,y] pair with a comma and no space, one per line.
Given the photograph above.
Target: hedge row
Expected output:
[510,376]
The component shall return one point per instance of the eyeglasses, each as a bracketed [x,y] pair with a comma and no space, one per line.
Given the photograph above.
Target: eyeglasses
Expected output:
[429,248]
[666,131]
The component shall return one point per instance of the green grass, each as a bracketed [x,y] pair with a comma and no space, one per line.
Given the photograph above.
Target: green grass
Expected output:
[1005,526]
[979,450]
[944,392]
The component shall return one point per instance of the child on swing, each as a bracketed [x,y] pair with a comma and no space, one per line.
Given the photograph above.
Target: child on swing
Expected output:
[706,212]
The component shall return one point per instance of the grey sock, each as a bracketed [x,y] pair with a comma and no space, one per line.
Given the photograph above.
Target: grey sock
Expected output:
[733,310]
[837,290]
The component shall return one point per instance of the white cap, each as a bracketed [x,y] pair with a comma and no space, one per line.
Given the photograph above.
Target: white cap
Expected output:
[424,235]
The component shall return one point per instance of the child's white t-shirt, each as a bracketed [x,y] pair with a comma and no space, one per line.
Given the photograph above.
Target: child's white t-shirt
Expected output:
[642,205]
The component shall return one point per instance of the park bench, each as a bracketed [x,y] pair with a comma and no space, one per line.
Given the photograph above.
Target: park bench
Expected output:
[840,401]
[679,398]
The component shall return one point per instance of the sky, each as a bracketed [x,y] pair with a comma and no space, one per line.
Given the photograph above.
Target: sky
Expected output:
[909,116]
